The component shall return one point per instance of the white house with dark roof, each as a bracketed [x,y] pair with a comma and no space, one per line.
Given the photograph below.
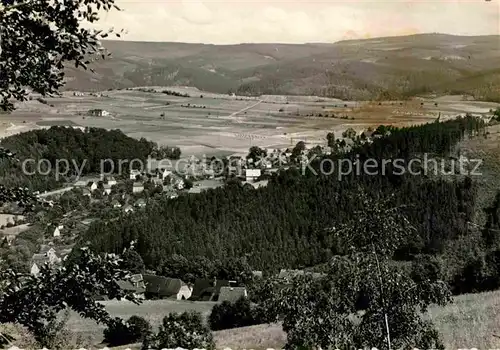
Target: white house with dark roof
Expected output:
[38,260]
[111,181]
[140,203]
[128,208]
[56,232]
[252,174]
[92,186]
[137,187]
[106,189]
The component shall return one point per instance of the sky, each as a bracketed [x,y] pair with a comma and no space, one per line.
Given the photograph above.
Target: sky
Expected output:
[299,21]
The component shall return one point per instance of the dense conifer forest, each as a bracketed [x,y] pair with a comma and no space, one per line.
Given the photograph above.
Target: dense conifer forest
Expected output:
[85,148]
[286,224]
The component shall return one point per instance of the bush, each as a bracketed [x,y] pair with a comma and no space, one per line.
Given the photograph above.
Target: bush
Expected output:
[121,333]
[232,315]
[139,328]
[184,330]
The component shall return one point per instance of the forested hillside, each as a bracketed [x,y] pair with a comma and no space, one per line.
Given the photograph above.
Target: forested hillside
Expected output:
[286,224]
[386,68]
[86,149]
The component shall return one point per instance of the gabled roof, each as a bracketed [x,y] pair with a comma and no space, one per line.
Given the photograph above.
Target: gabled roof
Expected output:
[40,259]
[138,184]
[140,201]
[232,294]
[162,286]
[204,289]
[130,287]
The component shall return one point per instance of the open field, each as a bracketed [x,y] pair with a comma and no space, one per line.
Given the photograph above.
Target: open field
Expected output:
[472,321]
[221,124]
[153,311]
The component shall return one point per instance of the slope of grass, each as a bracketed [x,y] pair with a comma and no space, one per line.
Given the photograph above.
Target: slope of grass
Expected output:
[471,321]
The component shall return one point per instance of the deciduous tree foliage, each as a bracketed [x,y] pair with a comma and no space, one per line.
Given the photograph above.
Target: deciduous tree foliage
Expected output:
[363,302]
[185,330]
[34,301]
[37,38]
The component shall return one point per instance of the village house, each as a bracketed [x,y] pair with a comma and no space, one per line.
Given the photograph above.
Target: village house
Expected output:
[257,274]
[92,186]
[137,187]
[80,183]
[86,192]
[111,181]
[98,113]
[140,203]
[56,232]
[160,287]
[232,294]
[128,209]
[106,189]
[135,286]
[38,260]
[164,173]
[252,174]
[134,174]
[207,289]
[116,204]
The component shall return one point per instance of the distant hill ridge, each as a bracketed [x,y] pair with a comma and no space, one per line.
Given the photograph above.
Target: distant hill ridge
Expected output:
[390,67]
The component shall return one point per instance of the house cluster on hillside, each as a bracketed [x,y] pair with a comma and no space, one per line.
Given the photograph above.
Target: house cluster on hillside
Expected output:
[49,256]
[152,287]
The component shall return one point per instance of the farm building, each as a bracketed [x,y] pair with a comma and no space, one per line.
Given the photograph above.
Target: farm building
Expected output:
[164,173]
[134,173]
[56,232]
[111,181]
[160,287]
[92,186]
[98,113]
[38,260]
[257,274]
[135,285]
[106,189]
[138,187]
[204,289]
[128,209]
[80,183]
[232,294]
[252,174]
[140,203]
